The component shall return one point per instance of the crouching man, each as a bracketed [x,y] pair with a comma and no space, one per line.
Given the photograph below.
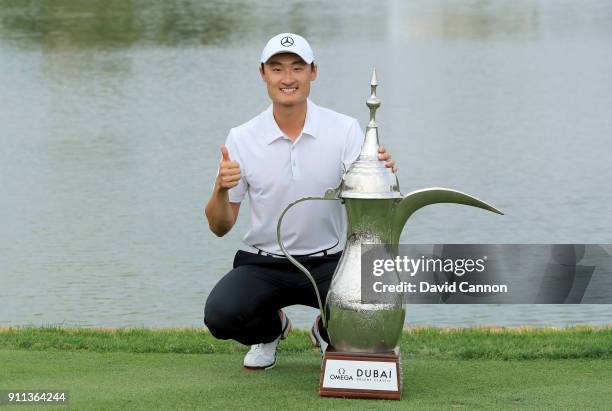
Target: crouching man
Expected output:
[293,149]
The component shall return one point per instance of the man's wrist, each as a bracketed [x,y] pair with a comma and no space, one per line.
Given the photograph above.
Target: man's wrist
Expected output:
[220,191]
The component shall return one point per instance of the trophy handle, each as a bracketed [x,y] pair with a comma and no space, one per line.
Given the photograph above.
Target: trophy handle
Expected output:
[330,194]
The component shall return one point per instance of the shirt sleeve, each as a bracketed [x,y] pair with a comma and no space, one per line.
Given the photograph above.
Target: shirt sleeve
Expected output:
[354,141]
[236,194]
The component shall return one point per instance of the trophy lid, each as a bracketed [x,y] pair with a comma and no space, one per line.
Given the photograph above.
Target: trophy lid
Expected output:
[368,177]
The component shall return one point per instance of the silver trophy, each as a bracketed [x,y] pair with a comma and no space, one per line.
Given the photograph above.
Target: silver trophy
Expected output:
[377,212]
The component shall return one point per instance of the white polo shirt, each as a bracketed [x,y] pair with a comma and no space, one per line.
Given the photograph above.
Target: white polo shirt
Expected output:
[277,171]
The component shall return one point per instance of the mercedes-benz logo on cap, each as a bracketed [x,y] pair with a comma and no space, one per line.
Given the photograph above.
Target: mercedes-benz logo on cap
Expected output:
[287,41]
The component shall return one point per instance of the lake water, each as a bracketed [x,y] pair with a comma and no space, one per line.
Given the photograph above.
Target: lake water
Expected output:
[112,115]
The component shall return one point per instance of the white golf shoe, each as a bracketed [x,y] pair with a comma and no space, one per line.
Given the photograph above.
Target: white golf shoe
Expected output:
[263,356]
[315,336]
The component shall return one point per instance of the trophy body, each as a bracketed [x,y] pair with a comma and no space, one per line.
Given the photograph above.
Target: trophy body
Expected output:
[353,326]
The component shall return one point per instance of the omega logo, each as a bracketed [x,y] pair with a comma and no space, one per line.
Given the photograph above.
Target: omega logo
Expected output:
[341,375]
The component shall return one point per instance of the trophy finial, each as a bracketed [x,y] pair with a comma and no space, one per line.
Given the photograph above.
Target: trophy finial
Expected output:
[373,102]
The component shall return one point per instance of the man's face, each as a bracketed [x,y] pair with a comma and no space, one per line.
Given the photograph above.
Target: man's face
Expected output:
[288,78]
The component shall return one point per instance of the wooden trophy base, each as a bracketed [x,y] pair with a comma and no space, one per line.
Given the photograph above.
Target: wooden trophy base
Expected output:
[361,375]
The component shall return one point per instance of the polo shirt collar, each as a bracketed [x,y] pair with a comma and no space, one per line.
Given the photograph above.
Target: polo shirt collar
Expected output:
[274,132]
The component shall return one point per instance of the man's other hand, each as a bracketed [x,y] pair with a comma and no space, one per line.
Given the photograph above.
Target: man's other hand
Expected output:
[386,157]
[229,171]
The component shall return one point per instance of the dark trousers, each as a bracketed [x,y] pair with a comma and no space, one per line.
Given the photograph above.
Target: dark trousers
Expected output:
[244,304]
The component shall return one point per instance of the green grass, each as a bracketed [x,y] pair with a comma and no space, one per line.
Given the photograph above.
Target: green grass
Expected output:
[469,343]
[188,369]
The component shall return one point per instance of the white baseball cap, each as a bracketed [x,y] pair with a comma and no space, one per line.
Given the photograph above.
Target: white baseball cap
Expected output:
[288,43]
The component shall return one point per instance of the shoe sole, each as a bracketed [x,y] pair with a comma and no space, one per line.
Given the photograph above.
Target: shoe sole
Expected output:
[312,338]
[321,344]
[288,328]
[269,367]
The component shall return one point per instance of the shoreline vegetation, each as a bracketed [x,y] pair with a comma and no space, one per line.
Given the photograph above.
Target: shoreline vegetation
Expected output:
[498,343]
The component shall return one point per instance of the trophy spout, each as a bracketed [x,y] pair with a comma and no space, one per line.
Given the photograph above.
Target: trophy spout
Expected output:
[421,198]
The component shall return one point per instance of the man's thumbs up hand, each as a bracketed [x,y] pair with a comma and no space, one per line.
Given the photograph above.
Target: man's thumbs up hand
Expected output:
[229,171]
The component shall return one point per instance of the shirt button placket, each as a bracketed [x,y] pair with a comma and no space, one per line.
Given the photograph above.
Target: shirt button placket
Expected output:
[294,168]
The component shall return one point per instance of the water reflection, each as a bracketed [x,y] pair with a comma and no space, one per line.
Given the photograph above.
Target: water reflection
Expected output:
[116,24]
[467,20]
[75,24]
